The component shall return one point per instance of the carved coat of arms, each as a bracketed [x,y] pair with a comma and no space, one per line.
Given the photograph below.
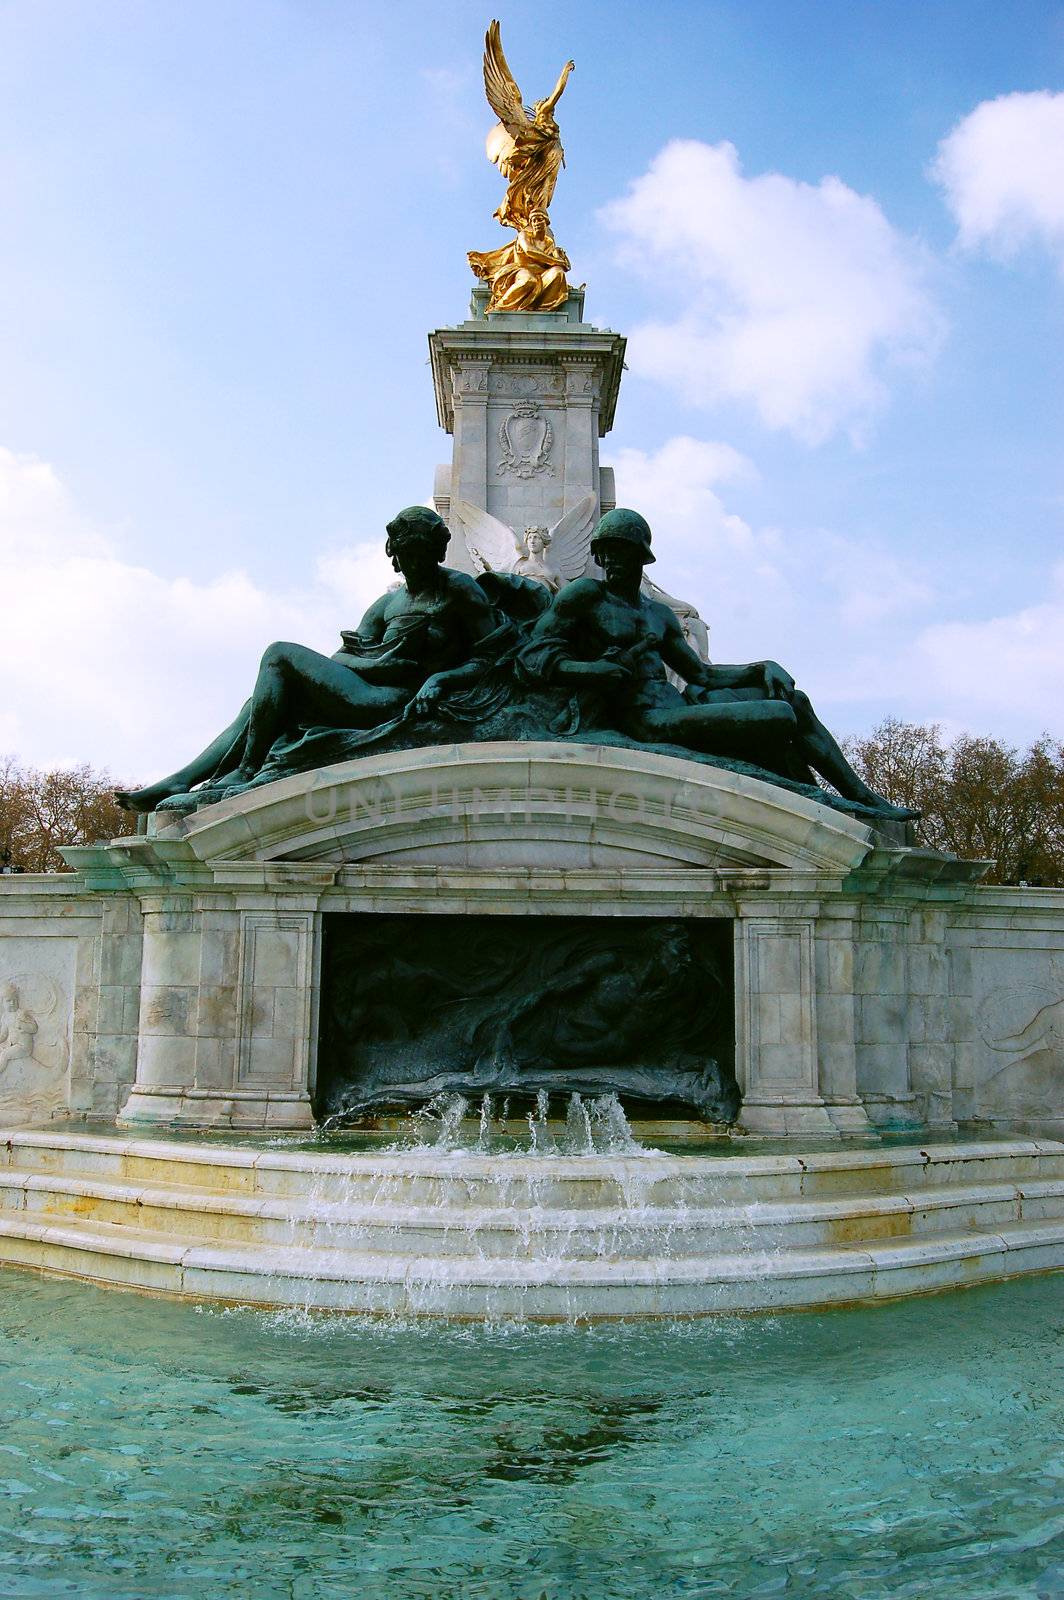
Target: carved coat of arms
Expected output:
[525,438]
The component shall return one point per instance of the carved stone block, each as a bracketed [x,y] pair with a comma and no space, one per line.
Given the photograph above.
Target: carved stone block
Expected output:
[36,1015]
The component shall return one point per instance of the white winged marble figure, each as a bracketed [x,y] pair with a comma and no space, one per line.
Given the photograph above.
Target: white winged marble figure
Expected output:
[551,556]
[554,556]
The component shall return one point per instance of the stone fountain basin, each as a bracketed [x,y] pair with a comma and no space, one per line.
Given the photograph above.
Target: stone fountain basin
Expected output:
[466,1234]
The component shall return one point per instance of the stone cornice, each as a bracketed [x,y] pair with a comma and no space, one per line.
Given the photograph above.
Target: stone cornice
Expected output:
[558,808]
[561,345]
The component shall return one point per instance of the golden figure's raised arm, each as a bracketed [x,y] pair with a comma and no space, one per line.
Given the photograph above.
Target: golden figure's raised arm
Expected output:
[559,87]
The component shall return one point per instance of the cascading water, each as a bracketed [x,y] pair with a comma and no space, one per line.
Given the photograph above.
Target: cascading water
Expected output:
[591,1127]
[496,1199]
[541,1139]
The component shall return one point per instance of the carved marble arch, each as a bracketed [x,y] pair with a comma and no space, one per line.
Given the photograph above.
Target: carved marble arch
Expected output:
[535,805]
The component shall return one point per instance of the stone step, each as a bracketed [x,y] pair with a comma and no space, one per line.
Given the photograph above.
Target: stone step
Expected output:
[431,1178]
[540,1288]
[409,1229]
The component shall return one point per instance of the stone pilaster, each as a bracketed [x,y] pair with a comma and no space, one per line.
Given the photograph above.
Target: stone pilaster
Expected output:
[112,1053]
[776,1027]
[277,999]
[228,1013]
[931,1046]
[881,991]
[836,1022]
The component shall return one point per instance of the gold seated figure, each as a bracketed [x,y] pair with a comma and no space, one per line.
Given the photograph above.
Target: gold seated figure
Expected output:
[529,273]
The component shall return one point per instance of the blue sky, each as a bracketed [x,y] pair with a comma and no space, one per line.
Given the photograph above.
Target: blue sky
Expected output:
[834,234]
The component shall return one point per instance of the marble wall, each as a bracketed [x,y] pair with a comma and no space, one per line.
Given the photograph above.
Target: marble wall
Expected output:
[175,979]
[1006,953]
[70,972]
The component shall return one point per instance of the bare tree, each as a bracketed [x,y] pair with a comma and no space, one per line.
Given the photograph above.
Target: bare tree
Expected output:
[39,811]
[980,798]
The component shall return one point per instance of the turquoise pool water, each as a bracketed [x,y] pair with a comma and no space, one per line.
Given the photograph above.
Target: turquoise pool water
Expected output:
[153,1449]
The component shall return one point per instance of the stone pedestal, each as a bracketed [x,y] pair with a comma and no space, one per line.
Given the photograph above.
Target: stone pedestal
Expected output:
[232,901]
[527,396]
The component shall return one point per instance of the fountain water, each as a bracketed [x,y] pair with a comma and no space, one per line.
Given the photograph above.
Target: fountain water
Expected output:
[595,1126]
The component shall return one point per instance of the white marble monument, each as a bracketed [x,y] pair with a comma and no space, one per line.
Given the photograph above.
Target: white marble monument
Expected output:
[175,978]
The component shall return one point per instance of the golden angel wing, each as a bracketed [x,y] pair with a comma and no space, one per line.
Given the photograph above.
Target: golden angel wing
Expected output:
[500,147]
[570,538]
[492,544]
[504,97]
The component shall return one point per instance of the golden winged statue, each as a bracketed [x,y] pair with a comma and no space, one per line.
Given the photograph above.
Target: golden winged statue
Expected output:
[525,143]
[529,273]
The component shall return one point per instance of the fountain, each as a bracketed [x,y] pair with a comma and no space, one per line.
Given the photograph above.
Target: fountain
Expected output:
[542,978]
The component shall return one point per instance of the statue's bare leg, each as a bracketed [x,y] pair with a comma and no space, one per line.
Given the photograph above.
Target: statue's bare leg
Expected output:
[723,728]
[824,756]
[296,687]
[744,727]
[198,770]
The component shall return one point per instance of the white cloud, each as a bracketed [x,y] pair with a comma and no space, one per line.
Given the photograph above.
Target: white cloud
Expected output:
[850,618]
[706,554]
[870,585]
[793,297]
[38,519]
[1006,667]
[813,596]
[136,668]
[680,481]
[1002,169]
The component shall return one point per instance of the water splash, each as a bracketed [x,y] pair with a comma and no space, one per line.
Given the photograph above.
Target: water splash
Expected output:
[611,1129]
[579,1137]
[484,1137]
[439,1121]
[541,1139]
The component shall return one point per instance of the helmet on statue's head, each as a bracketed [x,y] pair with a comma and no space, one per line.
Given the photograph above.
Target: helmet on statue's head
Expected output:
[624,525]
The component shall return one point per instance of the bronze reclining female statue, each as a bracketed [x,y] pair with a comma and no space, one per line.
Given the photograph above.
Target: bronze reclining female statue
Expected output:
[416,643]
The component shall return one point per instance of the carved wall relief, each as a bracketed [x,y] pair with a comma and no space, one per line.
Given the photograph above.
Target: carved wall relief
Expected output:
[413,1006]
[1022,1024]
[523,383]
[469,379]
[526,439]
[33,1049]
[583,383]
